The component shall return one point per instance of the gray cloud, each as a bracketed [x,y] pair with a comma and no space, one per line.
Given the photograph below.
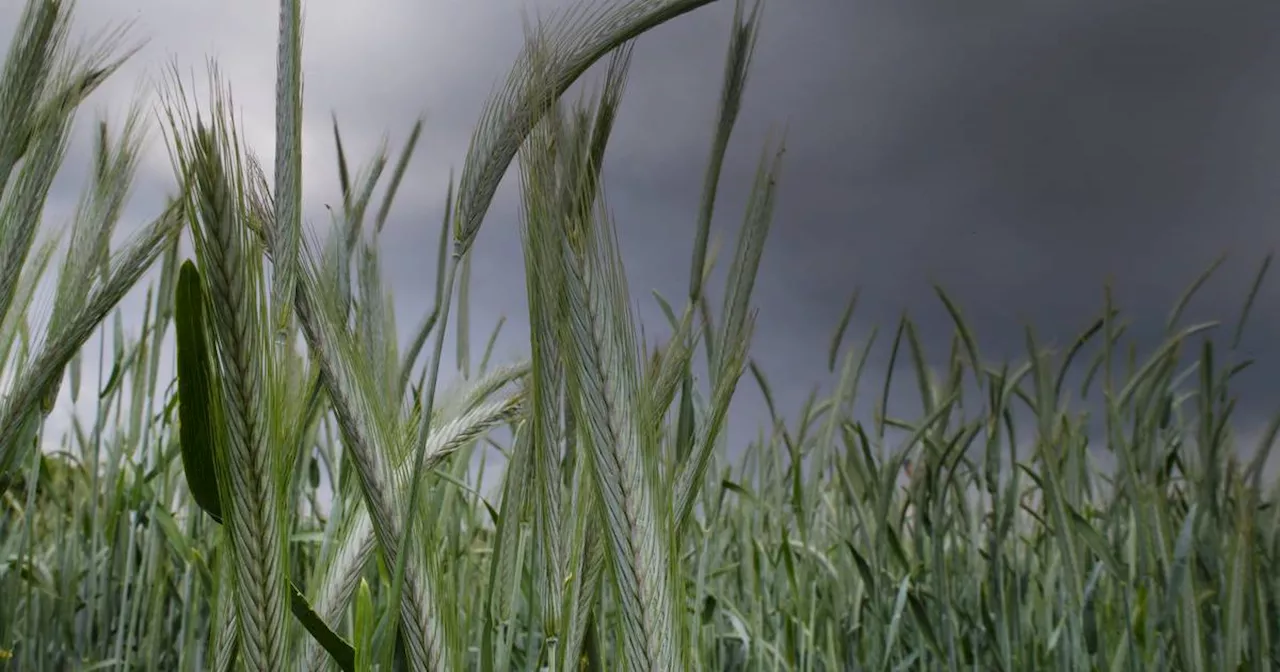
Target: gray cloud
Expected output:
[1020,154]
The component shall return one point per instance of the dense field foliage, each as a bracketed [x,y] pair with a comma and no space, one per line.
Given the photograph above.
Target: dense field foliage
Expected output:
[305,494]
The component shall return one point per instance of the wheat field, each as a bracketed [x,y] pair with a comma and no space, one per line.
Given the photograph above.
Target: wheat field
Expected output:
[303,493]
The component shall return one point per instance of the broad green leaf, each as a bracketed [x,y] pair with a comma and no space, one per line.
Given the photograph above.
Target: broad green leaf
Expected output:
[197,406]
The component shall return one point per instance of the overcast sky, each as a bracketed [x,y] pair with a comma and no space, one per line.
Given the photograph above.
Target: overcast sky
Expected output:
[1018,153]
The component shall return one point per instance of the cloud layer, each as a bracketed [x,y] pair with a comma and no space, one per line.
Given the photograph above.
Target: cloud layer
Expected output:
[1019,154]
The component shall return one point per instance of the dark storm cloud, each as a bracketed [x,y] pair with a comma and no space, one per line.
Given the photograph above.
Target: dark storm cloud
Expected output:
[1018,153]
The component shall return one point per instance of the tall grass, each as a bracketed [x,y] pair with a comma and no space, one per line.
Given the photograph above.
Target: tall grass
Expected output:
[303,494]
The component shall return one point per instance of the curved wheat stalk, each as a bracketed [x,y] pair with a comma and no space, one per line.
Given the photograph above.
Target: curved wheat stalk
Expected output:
[208,159]
[42,83]
[567,44]
[371,433]
[604,373]
[354,543]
